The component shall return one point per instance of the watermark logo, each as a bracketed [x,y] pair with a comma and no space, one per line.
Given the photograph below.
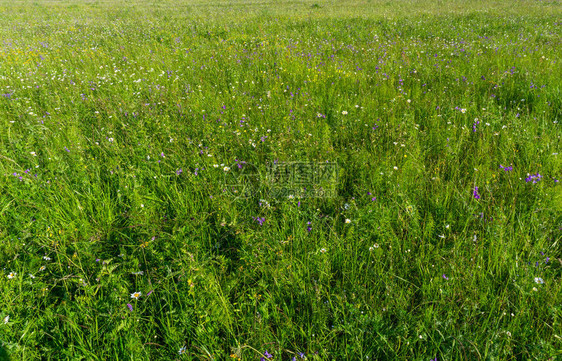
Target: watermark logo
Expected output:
[282,180]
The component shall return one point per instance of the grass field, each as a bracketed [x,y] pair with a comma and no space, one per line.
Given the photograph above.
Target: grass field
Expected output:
[280,180]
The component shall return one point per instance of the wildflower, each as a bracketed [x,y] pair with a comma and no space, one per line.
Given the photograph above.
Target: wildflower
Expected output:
[46,258]
[475,193]
[535,289]
[182,350]
[31,276]
[130,307]
[226,169]
[539,280]
[42,268]
[533,178]
[445,277]
[463,110]
[347,220]
[323,250]
[6,319]
[136,295]
[344,112]
[267,354]
[12,275]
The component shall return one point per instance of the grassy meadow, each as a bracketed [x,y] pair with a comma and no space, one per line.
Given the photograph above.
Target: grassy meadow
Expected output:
[280,180]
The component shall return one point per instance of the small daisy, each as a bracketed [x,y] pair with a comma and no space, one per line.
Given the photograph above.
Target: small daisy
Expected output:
[12,275]
[136,295]
[226,169]
[182,350]
[323,250]
[46,258]
[344,112]
[42,268]
[347,220]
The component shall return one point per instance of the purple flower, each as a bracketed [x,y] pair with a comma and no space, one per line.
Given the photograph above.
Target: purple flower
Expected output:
[475,193]
[130,307]
[533,178]
[267,354]
[507,169]
[474,125]
[149,293]
[445,277]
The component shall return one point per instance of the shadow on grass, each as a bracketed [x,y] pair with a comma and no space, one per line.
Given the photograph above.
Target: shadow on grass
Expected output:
[4,354]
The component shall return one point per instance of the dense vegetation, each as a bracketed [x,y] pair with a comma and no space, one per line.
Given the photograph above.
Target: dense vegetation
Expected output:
[144,212]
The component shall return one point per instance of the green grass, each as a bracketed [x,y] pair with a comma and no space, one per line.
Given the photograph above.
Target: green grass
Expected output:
[117,120]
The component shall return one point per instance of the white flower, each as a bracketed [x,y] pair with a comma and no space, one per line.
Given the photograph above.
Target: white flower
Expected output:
[182,350]
[463,110]
[347,220]
[226,169]
[344,112]
[33,154]
[136,295]
[46,258]
[12,275]
[110,140]
[6,319]
[42,268]
[323,250]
